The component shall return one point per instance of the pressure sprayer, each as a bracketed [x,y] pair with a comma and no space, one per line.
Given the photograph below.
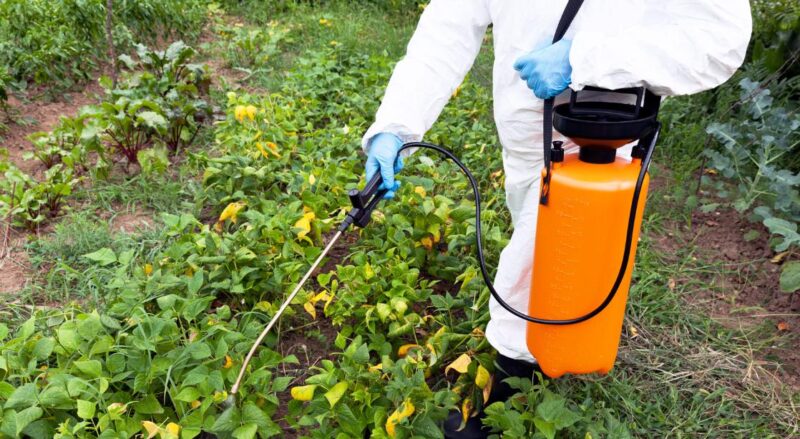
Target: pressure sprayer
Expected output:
[590,212]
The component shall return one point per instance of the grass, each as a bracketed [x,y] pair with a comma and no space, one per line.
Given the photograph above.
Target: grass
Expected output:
[679,373]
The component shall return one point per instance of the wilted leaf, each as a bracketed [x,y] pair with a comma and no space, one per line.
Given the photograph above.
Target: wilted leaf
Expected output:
[482,377]
[404,411]
[309,307]
[777,259]
[151,428]
[403,350]
[460,364]
[782,326]
[304,223]
[231,211]
[466,410]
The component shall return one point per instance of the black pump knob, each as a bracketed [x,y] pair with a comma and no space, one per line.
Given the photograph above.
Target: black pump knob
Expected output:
[557,153]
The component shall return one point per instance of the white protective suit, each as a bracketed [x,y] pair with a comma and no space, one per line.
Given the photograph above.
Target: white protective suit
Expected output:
[673,47]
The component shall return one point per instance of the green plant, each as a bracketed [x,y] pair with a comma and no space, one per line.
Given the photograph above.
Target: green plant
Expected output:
[247,48]
[757,146]
[60,42]
[167,80]
[71,142]
[776,42]
[29,202]
[130,125]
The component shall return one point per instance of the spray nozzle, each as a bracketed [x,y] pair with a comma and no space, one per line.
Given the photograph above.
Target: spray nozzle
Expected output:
[364,202]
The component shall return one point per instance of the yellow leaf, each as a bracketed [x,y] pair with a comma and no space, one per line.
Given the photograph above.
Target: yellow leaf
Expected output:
[421,191]
[328,301]
[482,377]
[427,242]
[312,179]
[309,307]
[455,92]
[487,391]
[262,150]
[219,396]
[148,269]
[403,351]
[196,403]
[777,259]
[240,112]
[228,362]
[303,393]
[376,367]
[460,364]
[405,410]
[250,111]
[633,331]
[304,223]
[369,273]
[466,409]
[231,211]
[173,430]
[152,429]
[274,148]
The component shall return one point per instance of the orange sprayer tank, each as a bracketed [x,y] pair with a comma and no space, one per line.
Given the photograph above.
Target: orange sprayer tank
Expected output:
[580,238]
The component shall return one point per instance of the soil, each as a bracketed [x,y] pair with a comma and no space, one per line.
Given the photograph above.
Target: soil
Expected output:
[744,293]
[132,222]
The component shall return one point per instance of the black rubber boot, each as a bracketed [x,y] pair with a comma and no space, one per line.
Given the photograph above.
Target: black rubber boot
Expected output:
[505,367]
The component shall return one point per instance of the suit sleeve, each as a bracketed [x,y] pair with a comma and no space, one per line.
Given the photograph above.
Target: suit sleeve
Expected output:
[681,47]
[439,55]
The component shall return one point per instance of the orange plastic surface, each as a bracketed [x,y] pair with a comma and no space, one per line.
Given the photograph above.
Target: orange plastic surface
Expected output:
[580,239]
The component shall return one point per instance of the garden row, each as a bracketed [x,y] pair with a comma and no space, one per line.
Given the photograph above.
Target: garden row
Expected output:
[175,324]
[154,112]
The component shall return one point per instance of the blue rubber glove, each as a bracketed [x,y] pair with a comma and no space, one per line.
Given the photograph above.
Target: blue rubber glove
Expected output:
[547,70]
[383,156]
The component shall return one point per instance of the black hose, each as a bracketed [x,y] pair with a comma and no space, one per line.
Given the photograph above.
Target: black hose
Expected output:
[479,235]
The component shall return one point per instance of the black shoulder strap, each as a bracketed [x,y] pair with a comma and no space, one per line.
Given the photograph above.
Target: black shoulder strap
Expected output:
[570,11]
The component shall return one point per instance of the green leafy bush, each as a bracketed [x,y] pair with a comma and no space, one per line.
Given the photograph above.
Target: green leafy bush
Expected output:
[29,202]
[60,42]
[248,48]
[758,146]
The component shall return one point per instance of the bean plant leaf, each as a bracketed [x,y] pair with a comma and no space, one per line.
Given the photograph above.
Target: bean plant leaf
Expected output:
[790,277]
[335,393]
[25,417]
[86,409]
[779,226]
[23,396]
[105,256]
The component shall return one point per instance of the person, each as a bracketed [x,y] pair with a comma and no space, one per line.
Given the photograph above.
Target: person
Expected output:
[669,47]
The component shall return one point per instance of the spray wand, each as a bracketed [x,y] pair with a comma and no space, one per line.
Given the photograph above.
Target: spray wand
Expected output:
[365,201]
